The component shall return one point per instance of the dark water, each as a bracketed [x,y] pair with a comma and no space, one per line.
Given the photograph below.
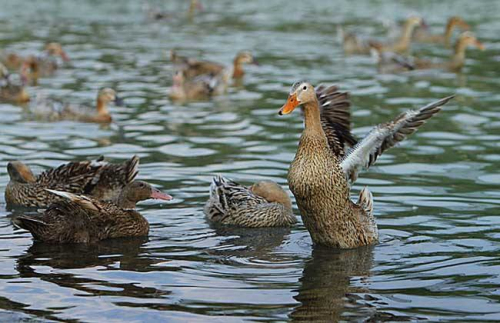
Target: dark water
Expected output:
[436,195]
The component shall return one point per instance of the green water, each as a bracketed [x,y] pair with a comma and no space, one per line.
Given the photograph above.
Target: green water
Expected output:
[436,195]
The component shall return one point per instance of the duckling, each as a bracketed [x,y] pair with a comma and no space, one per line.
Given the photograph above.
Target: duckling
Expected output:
[98,179]
[423,36]
[198,88]
[354,45]
[15,62]
[9,90]
[264,204]
[457,61]
[193,67]
[319,179]
[53,111]
[390,62]
[80,219]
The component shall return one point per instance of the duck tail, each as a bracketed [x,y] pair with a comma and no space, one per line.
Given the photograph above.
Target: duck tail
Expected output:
[365,201]
[218,200]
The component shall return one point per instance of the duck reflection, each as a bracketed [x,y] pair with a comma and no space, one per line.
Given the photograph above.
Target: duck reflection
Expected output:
[115,254]
[326,281]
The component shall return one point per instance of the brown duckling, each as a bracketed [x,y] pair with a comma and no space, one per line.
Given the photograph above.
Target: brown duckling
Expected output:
[54,111]
[98,179]
[34,67]
[80,219]
[264,204]
[318,178]
[193,67]
[423,36]
[155,14]
[15,62]
[9,90]
[457,61]
[353,45]
[199,88]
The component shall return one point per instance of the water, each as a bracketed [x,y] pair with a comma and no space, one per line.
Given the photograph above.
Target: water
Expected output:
[436,195]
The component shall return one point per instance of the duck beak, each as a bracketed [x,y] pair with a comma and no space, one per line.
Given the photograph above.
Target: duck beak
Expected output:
[159,195]
[290,105]
[119,101]
[479,45]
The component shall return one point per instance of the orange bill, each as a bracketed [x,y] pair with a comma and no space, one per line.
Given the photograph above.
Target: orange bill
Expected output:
[290,105]
[479,45]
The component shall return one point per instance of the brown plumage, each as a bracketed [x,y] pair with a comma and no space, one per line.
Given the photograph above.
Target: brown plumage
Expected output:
[457,61]
[54,111]
[318,177]
[353,45]
[193,67]
[99,179]
[11,91]
[80,219]
[264,204]
[423,36]
[199,88]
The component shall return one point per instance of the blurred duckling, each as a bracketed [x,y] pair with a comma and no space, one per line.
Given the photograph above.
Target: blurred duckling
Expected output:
[156,14]
[193,67]
[199,88]
[423,36]
[51,50]
[264,204]
[54,111]
[11,90]
[80,219]
[354,45]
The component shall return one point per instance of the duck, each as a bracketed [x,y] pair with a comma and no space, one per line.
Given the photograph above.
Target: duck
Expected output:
[457,62]
[98,179]
[14,61]
[264,204]
[423,36]
[320,180]
[80,219]
[34,67]
[393,62]
[54,111]
[354,45]
[193,67]
[155,14]
[10,90]
[199,88]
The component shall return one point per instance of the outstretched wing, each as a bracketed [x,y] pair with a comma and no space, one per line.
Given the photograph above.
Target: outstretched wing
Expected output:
[385,136]
[336,118]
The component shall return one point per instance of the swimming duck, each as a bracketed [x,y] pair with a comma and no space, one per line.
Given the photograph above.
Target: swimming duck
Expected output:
[199,88]
[319,179]
[193,67]
[390,62]
[423,36]
[457,61]
[9,90]
[54,111]
[80,219]
[14,61]
[33,67]
[264,204]
[353,45]
[98,179]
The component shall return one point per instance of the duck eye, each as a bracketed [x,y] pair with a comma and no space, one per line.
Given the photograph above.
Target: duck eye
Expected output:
[304,88]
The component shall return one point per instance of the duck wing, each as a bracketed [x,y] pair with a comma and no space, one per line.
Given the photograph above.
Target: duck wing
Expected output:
[336,118]
[385,136]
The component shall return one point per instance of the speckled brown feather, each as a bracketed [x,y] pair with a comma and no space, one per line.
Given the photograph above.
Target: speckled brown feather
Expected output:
[103,181]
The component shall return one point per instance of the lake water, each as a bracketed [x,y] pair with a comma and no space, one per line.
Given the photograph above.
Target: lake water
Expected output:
[436,195]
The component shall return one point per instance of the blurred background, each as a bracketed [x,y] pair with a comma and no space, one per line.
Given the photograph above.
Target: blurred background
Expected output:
[436,195]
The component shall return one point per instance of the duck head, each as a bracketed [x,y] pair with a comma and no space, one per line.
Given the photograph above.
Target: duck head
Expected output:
[302,92]
[140,191]
[456,21]
[245,57]
[272,192]
[55,49]
[20,172]
[468,39]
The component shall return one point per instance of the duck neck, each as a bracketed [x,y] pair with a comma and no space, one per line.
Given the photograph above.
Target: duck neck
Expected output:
[124,202]
[237,68]
[312,119]
[405,38]
[448,31]
[458,58]
[102,108]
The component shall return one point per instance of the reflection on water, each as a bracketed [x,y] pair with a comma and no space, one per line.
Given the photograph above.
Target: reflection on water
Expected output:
[436,195]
